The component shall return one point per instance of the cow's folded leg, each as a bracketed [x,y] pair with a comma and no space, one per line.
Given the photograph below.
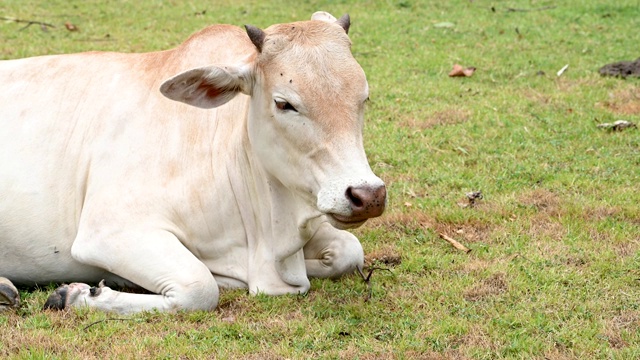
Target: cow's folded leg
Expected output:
[9,295]
[156,261]
[332,253]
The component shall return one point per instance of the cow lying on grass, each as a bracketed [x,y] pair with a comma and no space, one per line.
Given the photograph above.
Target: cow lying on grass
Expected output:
[243,169]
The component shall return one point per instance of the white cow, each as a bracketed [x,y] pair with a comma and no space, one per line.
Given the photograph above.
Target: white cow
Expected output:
[249,179]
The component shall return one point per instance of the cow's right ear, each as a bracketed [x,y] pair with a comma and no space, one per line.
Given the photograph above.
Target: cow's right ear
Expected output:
[208,87]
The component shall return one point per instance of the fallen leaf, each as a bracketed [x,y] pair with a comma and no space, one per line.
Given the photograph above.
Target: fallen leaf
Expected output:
[70,26]
[458,70]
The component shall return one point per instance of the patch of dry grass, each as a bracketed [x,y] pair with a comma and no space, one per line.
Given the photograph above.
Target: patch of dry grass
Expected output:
[495,284]
[623,102]
[426,121]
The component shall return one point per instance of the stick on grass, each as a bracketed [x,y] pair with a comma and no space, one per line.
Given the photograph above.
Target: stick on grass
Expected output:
[43,25]
[367,278]
[455,243]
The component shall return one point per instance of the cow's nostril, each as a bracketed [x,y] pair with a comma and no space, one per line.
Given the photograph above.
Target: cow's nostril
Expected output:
[365,201]
[356,202]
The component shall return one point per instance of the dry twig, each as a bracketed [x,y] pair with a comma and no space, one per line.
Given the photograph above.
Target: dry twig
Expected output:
[104,320]
[43,25]
[368,277]
[510,9]
[455,243]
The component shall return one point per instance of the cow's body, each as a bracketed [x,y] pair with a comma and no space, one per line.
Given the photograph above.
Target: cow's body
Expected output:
[103,177]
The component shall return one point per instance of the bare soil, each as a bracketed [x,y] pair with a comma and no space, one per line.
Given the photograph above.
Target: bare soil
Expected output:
[622,69]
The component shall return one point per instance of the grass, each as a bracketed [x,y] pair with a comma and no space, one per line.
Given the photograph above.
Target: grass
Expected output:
[555,261]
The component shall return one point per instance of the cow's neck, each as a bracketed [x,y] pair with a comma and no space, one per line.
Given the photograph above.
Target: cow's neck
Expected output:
[274,218]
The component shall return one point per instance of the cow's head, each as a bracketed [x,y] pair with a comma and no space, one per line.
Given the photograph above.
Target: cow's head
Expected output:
[305,123]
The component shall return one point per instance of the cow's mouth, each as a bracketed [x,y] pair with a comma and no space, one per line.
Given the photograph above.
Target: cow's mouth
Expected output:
[345,222]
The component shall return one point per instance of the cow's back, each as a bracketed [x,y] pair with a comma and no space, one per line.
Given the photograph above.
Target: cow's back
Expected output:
[72,125]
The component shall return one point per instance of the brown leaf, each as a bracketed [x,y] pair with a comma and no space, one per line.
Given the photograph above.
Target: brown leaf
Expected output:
[469,71]
[70,26]
[458,70]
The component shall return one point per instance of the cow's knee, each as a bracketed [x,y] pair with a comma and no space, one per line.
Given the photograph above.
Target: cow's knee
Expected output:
[347,256]
[202,294]
[340,256]
[9,295]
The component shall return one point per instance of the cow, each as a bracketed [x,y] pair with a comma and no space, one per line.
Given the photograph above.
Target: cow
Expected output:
[234,160]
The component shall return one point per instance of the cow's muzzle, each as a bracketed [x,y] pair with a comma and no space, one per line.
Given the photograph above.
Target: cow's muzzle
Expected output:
[365,201]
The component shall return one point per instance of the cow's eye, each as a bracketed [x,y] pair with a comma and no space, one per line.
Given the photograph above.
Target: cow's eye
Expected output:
[284,106]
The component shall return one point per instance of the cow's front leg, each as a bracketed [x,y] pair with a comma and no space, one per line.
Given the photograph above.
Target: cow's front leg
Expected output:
[154,260]
[332,253]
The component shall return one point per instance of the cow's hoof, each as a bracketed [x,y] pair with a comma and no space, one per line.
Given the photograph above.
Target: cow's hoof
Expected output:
[64,295]
[57,300]
[9,295]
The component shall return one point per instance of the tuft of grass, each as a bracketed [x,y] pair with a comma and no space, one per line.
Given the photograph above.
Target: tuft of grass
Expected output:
[554,267]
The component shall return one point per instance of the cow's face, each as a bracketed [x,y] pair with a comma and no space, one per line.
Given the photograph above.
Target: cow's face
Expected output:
[306,116]
[307,121]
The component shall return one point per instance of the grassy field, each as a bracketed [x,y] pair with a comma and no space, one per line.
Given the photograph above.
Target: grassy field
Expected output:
[554,271]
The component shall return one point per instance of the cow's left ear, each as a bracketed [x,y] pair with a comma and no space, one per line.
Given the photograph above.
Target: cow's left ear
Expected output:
[208,87]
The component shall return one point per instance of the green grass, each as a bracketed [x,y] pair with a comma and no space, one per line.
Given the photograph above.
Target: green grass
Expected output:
[555,261]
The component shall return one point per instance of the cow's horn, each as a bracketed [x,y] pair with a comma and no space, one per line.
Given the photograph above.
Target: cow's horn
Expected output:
[256,35]
[345,22]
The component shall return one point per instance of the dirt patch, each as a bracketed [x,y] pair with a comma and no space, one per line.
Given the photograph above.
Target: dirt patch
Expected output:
[438,118]
[627,249]
[387,256]
[542,200]
[600,213]
[538,98]
[477,337]
[495,284]
[543,223]
[558,354]
[615,340]
[623,102]
[354,353]
[626,321]
[468,232]
[402,220]
[622,69]
[543,227]
[473,266]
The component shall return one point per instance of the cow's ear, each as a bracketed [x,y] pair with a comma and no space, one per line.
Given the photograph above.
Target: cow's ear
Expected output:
[323,16]
[208,87]
[344,21]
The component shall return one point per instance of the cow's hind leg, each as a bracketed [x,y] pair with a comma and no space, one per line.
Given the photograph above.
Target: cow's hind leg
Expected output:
[154,260]
[332,253]
[9,295]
